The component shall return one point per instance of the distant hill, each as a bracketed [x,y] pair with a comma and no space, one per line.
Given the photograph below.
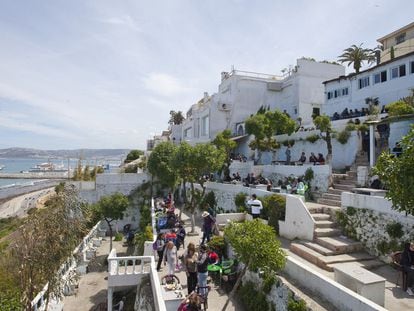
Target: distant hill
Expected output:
[76,153]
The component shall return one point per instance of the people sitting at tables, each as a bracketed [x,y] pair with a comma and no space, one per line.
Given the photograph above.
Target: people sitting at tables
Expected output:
[351,113]
[313,159]
[321,159]
[357,113]
[336,116]
[345,113]
[302,158]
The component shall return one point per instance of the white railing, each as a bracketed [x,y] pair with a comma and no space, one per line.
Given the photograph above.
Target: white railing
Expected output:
[129,264]
[38,303]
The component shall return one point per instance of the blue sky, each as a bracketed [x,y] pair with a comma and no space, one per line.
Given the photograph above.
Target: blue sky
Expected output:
[105,74]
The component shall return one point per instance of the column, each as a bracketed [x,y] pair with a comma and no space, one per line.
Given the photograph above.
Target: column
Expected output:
[110,294]
[371,146]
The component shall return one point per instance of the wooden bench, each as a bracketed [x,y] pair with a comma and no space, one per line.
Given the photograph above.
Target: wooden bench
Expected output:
[361,281]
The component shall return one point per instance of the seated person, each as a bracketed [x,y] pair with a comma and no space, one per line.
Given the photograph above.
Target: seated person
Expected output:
[357,113]
[238,178]
[407,263]
[213,258]
[302,158]
[336,116]
[313,159]
[301,188]
[357,121]
[397,150]
[190,303]
[351,113]
[345,113]
[321,159]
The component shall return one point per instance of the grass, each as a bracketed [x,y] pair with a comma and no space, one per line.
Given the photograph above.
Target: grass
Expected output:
[9,225]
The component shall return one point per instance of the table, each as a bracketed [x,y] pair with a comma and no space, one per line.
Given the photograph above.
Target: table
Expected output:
[172,298]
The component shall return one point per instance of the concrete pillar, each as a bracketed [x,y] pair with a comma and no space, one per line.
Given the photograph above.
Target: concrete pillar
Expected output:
[110,294]
[371,146]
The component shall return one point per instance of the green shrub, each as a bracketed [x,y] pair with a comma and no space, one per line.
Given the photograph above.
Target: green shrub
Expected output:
[363,127]
[342,219]
[252,299]
[210,200]
[288,142]
[141,237]
[350,211]
[268,282]
[309,175]
[350,127]
[395,230]
[118,236]
[145,219]
[399,108]
[240,201]
[343,136]
[296,305]
[313,138]
[131,168]
[274,209]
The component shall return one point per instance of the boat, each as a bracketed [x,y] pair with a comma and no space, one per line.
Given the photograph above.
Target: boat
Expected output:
[48,167]
[1,167]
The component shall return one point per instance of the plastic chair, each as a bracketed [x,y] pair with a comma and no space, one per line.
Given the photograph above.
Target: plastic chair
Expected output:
[396,258]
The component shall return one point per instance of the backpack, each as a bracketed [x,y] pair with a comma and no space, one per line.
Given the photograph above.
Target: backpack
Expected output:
[155,246]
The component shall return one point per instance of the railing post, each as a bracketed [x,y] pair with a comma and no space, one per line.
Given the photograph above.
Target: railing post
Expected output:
[110,292]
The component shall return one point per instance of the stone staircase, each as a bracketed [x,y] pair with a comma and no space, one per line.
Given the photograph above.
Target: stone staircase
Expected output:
[329,247]
[343,182]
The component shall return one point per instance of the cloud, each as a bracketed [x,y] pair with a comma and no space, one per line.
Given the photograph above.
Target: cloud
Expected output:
[125,20]
[164,84]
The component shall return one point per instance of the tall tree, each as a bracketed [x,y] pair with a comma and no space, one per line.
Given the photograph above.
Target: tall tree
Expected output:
[133,155]
[223,141]
[264,126]
[323,123]
[176,117]
[397,174]
[356,55]
[110,208]
[45,242]
[160,164]
[192,164]
[255,244]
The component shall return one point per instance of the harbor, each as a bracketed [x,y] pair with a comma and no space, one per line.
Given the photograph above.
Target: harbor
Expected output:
[37,175]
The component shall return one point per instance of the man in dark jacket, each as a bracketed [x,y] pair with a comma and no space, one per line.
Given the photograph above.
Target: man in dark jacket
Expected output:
[407,262]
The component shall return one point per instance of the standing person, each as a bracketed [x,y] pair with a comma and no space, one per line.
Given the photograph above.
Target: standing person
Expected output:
[208,222]
[407,262]
[160,245]
[180,236]
[120,305]
[255,205]
[287,152]
[202,272]
[170,257]
[190,265]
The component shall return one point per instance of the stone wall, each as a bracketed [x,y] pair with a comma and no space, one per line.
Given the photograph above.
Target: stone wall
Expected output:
[371,220]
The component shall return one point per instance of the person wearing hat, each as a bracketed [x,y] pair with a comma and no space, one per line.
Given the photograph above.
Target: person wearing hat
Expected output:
[208,222]
[255,205]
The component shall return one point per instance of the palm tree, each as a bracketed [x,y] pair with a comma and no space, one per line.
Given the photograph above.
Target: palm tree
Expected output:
[356,55]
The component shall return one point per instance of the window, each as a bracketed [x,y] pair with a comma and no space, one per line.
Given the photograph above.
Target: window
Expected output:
[411,67]
[316,112]
[187,132]
[380,77]
[344,91]
[363,82]
[400,38]
[205,124]
[296,110]
[330,95]
[398,71]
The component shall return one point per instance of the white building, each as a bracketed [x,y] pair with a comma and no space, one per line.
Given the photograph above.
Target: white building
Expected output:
[389,81]
[397,43]
[240,94]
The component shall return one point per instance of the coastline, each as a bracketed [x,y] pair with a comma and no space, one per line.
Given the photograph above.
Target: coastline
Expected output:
[11,192]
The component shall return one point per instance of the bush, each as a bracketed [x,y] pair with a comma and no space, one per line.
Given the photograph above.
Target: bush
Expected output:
[299,305]
[312,138]
[350,211]
[309,175]
[363,127]
[343,136]
[252,299]
[140,238]
[240,201]
[145,217]
[399,108]
[351,127]
[395,230]
[210,200]
[274,209]
[118,236]
[131,168]
[288,142]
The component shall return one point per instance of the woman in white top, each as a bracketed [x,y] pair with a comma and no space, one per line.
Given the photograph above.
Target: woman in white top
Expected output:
[170,257]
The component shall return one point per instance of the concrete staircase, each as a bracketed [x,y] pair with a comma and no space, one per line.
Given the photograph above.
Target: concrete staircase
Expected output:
[343,182]
[329,247]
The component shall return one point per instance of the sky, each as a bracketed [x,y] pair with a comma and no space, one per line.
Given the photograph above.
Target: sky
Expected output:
[106,73]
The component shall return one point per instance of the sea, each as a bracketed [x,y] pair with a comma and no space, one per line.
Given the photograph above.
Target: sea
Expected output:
[17,165]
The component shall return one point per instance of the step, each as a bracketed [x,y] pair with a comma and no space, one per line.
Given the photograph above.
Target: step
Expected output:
[327,232]
[334,191]
[345,182]
[339,244]
[326,262]
[330,196]
[305,252]
[319,248]
[315,210]
[352,173]
[324,224]
[329,202]
[344,187]
[320,216]
[336,176]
